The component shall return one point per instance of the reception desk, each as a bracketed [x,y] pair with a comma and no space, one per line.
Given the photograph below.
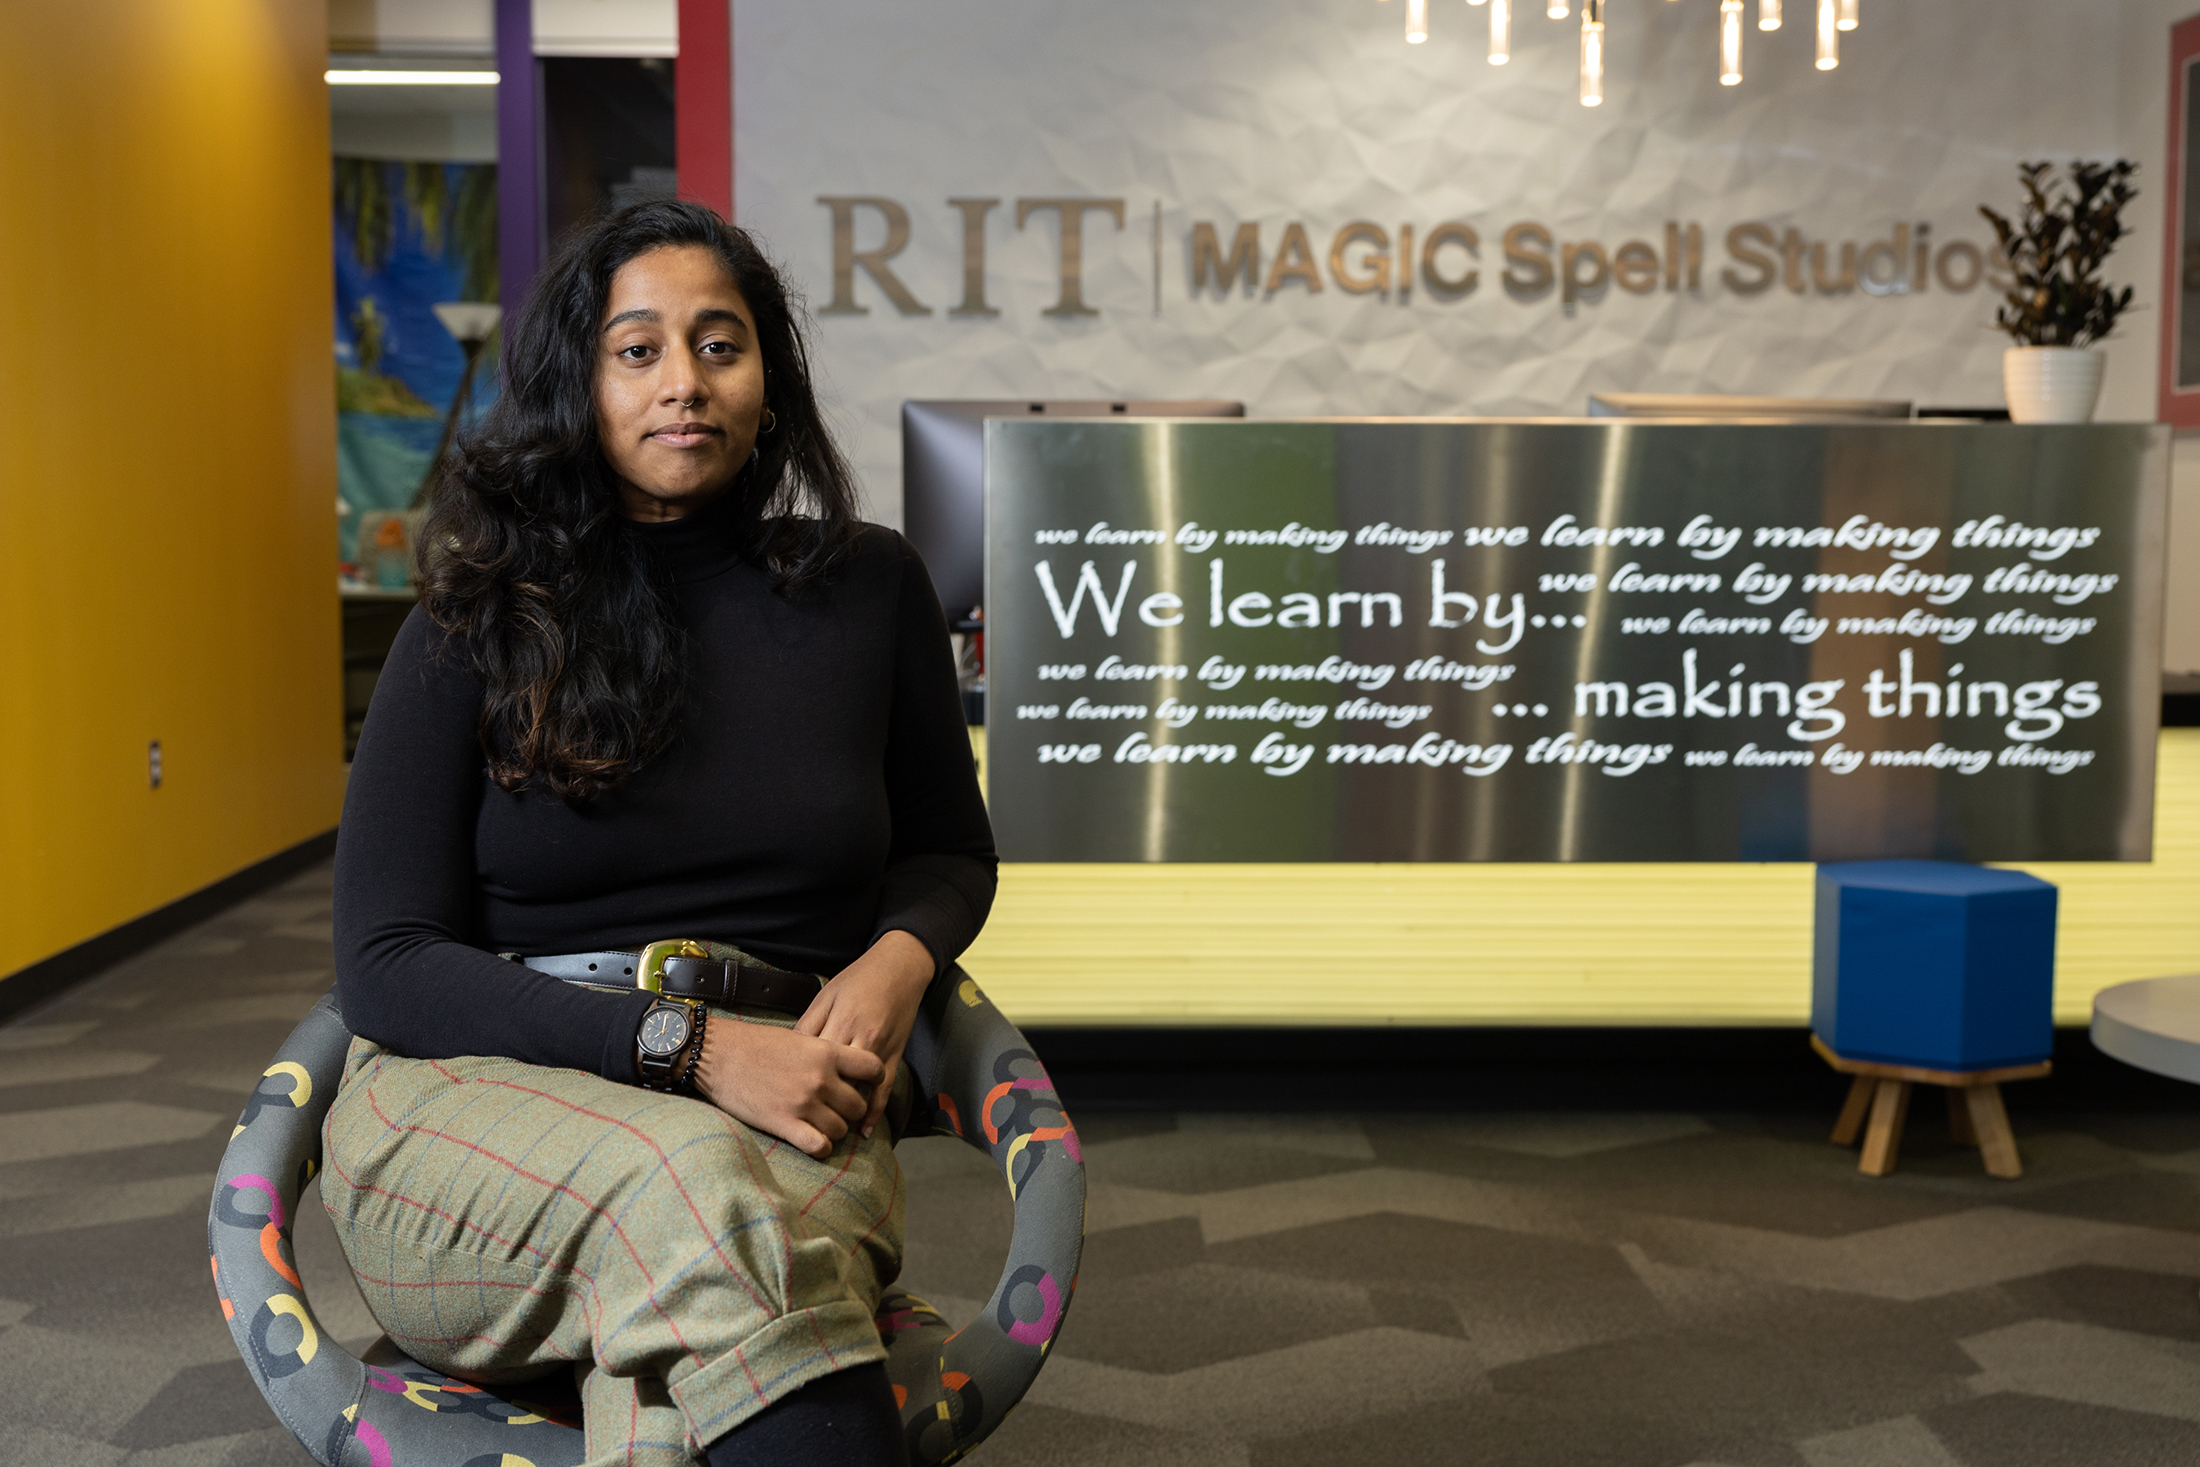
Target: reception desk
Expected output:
[1492,943]
[1568,940]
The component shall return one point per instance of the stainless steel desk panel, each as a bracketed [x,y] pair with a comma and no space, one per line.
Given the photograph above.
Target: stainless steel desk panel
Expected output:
[1572,641]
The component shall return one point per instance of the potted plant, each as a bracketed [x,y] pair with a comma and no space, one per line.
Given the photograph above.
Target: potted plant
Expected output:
[2057,305]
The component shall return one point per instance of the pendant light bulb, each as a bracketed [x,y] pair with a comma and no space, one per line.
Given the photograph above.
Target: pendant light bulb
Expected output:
[1416,22]
[1592,54]
[1477,2]
[1829,38]
[1847,21]
[1730,43]
[1768,15]
[1501,32]
[1557,10]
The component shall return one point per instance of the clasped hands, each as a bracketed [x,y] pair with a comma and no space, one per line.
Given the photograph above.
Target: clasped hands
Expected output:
[834,1070]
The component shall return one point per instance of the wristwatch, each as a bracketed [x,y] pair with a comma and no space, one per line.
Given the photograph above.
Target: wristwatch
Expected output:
[670,1042]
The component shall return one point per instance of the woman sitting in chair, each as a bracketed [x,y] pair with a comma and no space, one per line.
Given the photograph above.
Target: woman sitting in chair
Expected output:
[671,733]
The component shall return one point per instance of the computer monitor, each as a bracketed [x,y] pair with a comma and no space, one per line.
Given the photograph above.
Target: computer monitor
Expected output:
[943,478]
[1720,405]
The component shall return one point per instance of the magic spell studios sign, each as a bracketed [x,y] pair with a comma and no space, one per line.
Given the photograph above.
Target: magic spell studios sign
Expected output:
[1443,260]
[1597,641]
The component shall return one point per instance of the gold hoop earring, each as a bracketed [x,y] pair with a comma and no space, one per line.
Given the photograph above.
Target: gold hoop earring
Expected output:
[771,420]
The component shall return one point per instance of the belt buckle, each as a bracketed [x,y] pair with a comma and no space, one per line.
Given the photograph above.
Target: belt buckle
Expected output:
[649,972]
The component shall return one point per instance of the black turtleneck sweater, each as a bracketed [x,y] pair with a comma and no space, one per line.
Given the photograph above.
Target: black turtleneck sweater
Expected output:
[821,793]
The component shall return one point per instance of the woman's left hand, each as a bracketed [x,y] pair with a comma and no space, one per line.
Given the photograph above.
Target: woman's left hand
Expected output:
[872,1004]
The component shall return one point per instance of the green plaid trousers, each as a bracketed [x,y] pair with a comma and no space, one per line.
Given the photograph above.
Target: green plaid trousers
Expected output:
[505,1220]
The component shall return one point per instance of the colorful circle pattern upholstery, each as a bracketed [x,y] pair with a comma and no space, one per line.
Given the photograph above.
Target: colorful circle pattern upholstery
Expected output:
[976,1079]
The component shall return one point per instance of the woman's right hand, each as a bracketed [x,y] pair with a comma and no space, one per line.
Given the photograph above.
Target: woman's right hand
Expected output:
[786,1083]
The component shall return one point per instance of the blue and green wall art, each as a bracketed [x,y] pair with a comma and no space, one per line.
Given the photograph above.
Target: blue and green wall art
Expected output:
[408,235]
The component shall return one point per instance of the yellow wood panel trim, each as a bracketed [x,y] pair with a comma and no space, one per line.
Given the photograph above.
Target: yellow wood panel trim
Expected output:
[1475,943]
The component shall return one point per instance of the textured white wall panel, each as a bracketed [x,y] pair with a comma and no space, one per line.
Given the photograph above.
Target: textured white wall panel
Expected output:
[607,27]
[1316,111]
[413,27]
[468,27]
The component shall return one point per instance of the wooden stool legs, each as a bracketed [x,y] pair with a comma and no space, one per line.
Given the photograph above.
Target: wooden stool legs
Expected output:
[1883,1137]
[1886,1102]
[1853,1111]
[1959,1118]
[1975,1118]
[1879,1100]
[1997,1144]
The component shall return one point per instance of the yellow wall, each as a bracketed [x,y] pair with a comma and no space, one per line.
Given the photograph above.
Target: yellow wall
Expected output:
[167,454]
[1503,944]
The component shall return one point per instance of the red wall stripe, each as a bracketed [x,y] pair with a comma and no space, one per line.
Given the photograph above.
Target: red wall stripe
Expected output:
[2179,408]
[703,104]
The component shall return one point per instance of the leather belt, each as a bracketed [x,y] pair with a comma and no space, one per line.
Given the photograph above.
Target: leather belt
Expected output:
[726,982]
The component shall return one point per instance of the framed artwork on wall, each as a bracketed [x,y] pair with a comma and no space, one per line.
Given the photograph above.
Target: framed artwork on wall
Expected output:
[2180,378]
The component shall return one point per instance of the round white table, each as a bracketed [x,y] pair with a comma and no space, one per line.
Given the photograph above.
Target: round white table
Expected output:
[2153,1023]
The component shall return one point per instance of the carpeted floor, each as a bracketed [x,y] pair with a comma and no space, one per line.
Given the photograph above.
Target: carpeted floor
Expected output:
[1565,1290]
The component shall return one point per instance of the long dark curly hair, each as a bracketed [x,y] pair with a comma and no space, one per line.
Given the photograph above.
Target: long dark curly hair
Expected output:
[569,619]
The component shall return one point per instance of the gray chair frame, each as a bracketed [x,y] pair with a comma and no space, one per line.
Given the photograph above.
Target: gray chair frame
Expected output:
[976,1079]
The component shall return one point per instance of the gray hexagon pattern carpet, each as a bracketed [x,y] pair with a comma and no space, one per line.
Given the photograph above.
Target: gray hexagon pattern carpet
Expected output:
[1506,1290]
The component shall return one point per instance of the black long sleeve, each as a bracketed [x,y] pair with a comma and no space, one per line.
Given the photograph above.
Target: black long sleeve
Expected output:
[821,793]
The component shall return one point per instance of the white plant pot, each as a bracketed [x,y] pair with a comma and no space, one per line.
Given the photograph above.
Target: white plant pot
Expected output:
[2051,384]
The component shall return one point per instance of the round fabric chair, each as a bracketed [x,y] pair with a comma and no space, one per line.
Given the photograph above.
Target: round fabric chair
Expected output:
[976,1079]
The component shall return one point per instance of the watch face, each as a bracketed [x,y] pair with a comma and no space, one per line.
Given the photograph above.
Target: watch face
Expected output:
[664,1031]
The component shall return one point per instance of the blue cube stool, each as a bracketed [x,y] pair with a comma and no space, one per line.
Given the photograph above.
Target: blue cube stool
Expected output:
[1931,972]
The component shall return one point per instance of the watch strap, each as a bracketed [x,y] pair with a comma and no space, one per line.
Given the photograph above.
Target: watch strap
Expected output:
[674,1073]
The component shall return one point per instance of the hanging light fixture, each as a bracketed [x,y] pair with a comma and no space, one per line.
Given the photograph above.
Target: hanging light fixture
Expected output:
[1834,16]
[1592,53]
